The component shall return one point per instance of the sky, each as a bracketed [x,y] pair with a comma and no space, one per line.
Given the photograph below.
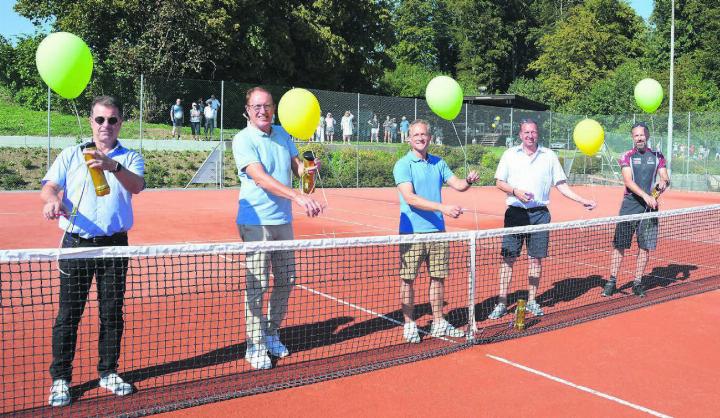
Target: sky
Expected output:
[642,7]
[12,24]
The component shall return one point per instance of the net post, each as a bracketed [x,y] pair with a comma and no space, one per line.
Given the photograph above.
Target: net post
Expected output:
[471,291]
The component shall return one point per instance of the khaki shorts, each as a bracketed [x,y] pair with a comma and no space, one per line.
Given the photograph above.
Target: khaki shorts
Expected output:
[434,254]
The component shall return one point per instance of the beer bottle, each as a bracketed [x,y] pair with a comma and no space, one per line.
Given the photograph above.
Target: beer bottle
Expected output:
[519,323]
[656,191]
[308,178]
[97,175]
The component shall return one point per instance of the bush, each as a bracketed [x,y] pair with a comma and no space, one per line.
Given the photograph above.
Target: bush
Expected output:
[156,175]
[12,181]
[27,163]
[490,160]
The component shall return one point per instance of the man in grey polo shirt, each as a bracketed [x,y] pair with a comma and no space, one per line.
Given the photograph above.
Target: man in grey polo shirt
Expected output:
[92,221]
[640,166]
[526,173]
[419,177]
[266,159]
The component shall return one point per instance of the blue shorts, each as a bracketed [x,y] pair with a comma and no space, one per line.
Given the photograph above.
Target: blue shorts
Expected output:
[537,242]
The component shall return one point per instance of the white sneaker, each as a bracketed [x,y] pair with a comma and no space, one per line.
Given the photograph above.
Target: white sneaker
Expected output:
[59,393]
[257,356]
[443,328]
[116,385]
[498,312]
[410,332]
[275,346]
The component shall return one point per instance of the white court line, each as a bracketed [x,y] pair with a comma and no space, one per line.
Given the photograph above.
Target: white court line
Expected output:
[352,305]
[360,308]
[580,387]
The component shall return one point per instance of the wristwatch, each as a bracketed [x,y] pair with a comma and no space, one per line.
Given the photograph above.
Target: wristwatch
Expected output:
[118,168]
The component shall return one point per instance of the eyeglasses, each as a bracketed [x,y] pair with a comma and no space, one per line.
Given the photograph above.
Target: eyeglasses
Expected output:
[111,120]
[260,107]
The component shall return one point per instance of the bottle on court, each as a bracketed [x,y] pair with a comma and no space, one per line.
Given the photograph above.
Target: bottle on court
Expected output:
[519,323]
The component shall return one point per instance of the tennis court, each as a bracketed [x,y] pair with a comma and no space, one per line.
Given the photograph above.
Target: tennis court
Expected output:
[655,360]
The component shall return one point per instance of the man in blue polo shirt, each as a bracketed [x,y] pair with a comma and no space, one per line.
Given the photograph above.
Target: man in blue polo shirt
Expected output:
[419,177]
[640,166]
[526,173]
[92,221]
[266,159]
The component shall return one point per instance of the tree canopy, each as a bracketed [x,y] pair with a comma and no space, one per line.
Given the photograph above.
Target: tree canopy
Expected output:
[576,55]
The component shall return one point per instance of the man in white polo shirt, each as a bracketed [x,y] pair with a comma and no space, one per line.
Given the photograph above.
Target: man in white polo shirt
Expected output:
[526,173]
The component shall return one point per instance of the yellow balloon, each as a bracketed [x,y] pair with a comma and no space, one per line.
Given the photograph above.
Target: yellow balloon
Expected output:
[589,136]
[299,111]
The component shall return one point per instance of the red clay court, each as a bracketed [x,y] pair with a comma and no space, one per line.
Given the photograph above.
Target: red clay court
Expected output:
[656,360]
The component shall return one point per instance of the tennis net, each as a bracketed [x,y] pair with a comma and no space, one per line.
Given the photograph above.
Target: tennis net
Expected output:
[184,338]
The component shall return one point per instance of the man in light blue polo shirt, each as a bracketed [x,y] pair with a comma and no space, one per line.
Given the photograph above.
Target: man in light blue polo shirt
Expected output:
[526,173]
[266,159]
[92,221]
[419,177]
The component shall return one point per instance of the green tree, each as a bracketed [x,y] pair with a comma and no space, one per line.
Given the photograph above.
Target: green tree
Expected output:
[612,94]
[337,44]
[408,80]
[593,40]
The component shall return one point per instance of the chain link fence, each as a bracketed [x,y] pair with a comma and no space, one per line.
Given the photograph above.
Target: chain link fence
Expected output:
[211,112]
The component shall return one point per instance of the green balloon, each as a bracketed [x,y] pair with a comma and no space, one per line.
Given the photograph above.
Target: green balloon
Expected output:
[444,96]
[65,63]
[648,94]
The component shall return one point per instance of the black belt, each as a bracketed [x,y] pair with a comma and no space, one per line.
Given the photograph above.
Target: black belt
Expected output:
[102,240]
[530,210]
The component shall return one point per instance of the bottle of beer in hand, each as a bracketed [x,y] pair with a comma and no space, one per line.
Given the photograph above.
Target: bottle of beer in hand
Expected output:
[308,178]
[97,175]
[519,323]
[656,191]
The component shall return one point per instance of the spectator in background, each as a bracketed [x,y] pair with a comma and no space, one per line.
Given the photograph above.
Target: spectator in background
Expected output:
[320,131]
[404,129]
[215,104]
[717,152]
[329,127]
[209,114]
[195,119]
[177,116]
[386,129]
[267,159]
[393,129]
[346,123]
[374,128]
[97,222]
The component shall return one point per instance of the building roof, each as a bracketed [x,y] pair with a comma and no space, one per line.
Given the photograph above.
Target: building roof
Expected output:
[506,100]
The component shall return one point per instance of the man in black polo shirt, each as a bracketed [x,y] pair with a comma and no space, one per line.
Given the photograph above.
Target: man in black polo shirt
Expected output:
[640,167]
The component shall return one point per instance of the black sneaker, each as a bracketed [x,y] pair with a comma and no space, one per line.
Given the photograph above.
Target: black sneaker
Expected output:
[609,288]
[639,290]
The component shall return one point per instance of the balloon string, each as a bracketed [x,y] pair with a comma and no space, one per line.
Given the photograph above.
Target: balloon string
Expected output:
[73,215]
[467,171]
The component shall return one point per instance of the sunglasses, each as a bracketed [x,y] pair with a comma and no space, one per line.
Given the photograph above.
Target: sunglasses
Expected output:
[111,120]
